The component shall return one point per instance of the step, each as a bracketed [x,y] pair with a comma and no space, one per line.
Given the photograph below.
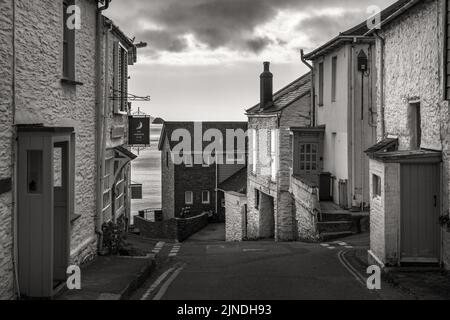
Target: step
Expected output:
[335,226]
[327,236]
[329,216]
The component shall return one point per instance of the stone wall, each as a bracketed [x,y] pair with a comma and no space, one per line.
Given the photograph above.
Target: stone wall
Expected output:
[189,226]
[415,73]
[43,98]
[6,134]
[235,216]
[306,208]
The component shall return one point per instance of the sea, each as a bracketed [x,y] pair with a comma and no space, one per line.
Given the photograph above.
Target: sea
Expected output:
[146,170]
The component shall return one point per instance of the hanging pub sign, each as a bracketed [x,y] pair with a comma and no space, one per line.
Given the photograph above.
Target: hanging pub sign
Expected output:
[138,131]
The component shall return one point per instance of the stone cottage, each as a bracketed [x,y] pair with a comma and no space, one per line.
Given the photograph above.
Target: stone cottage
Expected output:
[52,101]
[409,167]
[269,200]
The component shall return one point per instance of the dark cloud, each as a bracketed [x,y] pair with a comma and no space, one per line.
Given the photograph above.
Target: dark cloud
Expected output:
[163,40]
[227,23]
[321,28]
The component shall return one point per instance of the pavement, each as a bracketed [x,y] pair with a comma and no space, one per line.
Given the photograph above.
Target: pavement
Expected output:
[114,277]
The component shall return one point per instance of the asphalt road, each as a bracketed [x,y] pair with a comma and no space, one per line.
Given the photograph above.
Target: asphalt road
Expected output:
[216,270]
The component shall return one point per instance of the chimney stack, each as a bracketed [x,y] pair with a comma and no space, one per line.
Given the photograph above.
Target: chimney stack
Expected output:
[266,79]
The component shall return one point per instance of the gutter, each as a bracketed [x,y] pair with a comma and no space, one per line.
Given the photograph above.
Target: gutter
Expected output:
[313,88]
[14,154]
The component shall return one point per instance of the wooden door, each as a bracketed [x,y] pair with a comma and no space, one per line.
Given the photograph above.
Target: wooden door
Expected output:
[420,211]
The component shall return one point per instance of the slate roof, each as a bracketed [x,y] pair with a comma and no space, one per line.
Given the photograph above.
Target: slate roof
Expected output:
[287,95]
[236,183]
[170,126]
[358,31]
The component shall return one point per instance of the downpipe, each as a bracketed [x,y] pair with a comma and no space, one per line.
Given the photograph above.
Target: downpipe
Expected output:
[100,108]
[313,88]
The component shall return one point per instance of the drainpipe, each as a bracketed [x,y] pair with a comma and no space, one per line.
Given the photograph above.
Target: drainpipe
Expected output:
[100,107]
[14,152]
[381,77]
[313,85]
[352,100]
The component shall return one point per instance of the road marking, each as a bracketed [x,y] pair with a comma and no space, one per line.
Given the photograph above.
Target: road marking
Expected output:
[350,268]
[331,248]
[157,283]
[158,247]
[169,281]
[325,245]
[175,249]
[348,247]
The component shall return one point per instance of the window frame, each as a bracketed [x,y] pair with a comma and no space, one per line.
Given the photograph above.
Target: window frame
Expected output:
[302,145]
[257,199]
[376,186]
[321,83]
[334,64]
[120,81]
[209,197]
[191,202]
[69,45]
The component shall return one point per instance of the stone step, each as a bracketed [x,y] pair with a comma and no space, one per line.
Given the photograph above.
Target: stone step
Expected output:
[327,236]
[335,226]
[329,216]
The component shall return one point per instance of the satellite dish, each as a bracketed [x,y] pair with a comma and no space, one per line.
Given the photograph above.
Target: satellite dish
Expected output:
[140,126]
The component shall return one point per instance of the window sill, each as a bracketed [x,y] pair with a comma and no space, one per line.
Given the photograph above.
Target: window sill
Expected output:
[74,217]
[71,82]
[120,113]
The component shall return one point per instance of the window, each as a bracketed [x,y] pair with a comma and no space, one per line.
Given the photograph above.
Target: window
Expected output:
[189,197]
[107,186]
[231,158]
[273,154]
[241,158]
[376,186]
[222,203]
[167,159]
[415,123]
[120,78]
[333,79]
[68,42]
[188,161]
[308,158]
[205,197]
[257,198]
[321,84]
[34,168]
[120,192]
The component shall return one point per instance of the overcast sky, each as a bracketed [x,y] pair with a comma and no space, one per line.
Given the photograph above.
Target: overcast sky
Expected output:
[204,57]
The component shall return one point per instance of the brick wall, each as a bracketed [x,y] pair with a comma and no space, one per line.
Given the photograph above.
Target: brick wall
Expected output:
[195,179]
[235,216]
[6,79]
[175,228]
[306,208]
